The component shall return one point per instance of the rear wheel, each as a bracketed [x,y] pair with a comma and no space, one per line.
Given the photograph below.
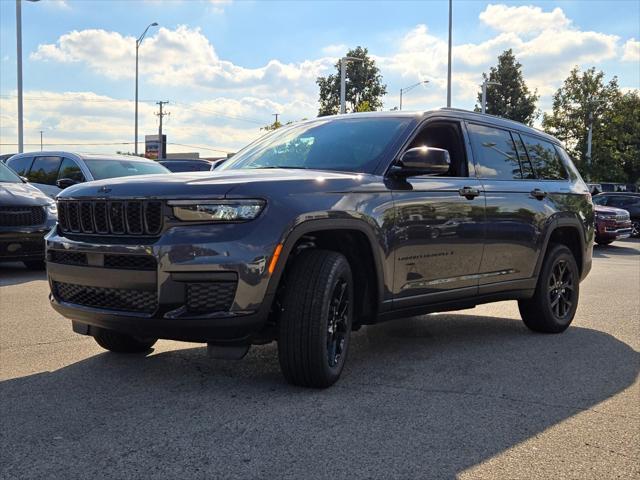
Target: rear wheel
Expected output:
[122,343]
[315,325]
[554,304]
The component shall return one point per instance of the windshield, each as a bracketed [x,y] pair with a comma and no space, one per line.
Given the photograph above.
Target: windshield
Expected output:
[599,199]
[107,168]
[351,145]
[7,175]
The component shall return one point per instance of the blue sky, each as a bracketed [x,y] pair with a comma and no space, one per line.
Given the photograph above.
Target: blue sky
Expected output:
[226,66]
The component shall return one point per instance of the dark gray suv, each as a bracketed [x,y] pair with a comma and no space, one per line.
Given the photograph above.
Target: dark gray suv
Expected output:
[324,226]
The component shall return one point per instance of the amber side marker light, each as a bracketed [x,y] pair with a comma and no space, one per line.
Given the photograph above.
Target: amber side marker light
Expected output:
[274,259]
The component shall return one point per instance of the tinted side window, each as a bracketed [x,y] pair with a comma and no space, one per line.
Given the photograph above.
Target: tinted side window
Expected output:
[494,152]
[622,202]
[544,159]
[70,169]
[20,165]
[525,164]
[45,170]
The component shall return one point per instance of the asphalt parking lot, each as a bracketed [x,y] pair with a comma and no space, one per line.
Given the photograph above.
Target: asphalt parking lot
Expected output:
[469,394]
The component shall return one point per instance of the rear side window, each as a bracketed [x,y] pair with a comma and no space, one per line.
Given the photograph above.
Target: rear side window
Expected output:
[70,169]
[544,159]
[45,170]
[20,165]
[622,202]
[525,164]
[494,153]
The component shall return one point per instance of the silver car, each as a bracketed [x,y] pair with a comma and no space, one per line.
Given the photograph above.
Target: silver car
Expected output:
[52,172]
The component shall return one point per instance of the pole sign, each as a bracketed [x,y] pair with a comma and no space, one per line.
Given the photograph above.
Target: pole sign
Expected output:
[151,146]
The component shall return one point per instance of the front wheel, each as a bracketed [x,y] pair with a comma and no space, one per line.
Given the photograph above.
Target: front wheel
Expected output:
[122,343]
[317,313]
[604,243]
[554,304]
[635,229]
[35,264]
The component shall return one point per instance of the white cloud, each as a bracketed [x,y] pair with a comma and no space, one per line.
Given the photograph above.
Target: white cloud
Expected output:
[219,5]
[523,19]
[335,50]
[631,51]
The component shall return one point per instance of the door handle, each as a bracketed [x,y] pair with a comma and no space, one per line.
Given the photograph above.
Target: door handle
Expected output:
[539,194]
[469,192]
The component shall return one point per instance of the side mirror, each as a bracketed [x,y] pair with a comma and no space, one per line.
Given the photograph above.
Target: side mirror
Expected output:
[422,161]
[65,182]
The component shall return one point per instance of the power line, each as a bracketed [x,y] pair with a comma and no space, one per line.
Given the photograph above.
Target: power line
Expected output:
[200,147]
[117,143]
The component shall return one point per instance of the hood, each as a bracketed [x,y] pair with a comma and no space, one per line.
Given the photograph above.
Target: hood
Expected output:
[21,194]
[610,210]
[217,184]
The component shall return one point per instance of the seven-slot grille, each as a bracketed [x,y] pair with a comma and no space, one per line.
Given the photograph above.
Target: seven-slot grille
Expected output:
[110,217]
[108,298]
[21,216]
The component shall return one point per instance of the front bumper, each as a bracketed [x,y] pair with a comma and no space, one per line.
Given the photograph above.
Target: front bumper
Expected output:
[23,243]
[176,292]
[613,230]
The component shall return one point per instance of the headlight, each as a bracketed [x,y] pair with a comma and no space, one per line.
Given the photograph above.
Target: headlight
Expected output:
[52,210]
[217,210]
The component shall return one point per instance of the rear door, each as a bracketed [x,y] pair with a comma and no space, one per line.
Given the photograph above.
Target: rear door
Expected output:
[516,208]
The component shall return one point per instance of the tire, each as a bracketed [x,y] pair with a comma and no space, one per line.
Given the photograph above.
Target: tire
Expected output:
[122,343]
[35,264]
[554,304]
[604,242]
[314,328]
[635,229]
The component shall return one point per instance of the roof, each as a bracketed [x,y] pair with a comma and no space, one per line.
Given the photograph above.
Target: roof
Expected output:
[84,156]
[457,113]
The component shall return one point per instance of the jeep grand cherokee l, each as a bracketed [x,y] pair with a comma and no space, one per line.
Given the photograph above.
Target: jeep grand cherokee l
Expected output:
[323,226]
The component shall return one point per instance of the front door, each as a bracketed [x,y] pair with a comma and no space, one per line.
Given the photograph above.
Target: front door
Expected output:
[439,225]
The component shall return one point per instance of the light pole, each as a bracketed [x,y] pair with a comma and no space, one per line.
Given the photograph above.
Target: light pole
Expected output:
[449,55]
[343,81]
[19,73]
[484,93]
[590,104]
[411,87]
[138,42]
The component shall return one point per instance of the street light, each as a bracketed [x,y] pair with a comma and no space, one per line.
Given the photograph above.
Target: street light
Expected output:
[343,80]
[19,73]
[138,42]
[409,88]
[484,93]
[590,103]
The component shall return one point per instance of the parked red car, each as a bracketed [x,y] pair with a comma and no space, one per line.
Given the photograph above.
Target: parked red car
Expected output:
[611,224]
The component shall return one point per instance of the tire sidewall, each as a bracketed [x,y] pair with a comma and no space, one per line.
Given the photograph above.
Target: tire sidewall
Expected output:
[340,270]
[559,253]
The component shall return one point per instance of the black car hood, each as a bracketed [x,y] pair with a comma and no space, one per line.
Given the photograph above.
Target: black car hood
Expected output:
[19,194]
[215,184]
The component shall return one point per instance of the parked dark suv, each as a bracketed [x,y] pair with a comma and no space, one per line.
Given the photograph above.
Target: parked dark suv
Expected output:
[321,227]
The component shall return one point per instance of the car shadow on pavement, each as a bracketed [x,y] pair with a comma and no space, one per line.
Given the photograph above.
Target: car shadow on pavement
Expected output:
[426,397]
[12,273]
[613,250]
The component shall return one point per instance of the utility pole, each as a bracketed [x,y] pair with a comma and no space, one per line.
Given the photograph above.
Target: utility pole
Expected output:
[343,81]
[484,93]
[40,140]
[449,56]
[161,114]
[276,115]
[592,102]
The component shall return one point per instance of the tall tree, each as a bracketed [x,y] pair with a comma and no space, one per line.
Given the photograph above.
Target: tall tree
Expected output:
[512,98]
[364,88]
[582,96]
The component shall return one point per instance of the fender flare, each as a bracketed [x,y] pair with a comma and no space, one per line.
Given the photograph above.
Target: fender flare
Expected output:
[559,222]
[299,230]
